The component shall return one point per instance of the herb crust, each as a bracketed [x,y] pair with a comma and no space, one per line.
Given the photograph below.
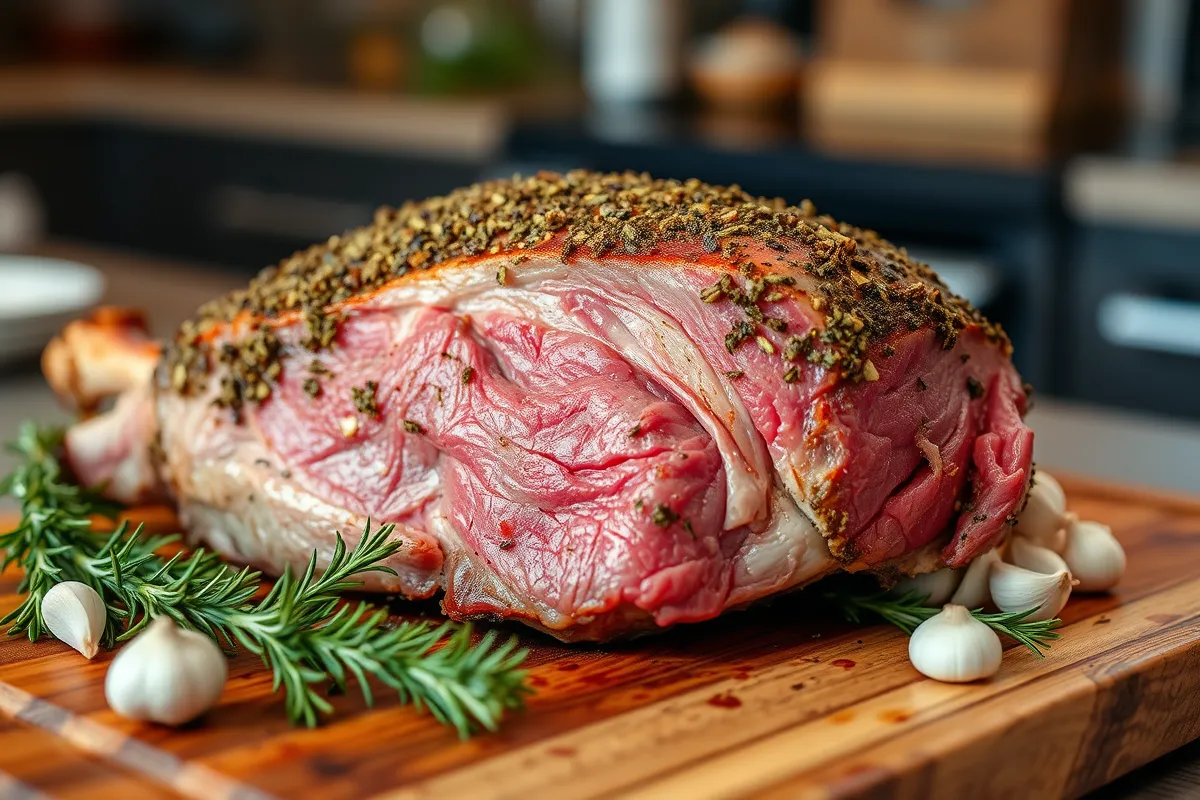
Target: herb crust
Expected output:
[865,287]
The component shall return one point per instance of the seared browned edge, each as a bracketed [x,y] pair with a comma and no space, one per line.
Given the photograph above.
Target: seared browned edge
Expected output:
[866,287]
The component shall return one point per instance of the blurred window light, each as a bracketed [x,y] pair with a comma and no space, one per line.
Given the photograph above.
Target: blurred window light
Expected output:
[1156,324]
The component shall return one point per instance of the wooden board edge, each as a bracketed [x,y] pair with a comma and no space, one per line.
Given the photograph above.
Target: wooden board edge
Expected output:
[1100,488]
[14,789]
[1117,712]
[884,759]
[125,752]
[37,763]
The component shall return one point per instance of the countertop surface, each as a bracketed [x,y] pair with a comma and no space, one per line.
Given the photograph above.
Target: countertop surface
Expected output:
[1134,192]
[1158,188]
[1122,447]
[466,127]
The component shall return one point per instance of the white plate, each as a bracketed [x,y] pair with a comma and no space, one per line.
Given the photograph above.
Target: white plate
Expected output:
[38,296]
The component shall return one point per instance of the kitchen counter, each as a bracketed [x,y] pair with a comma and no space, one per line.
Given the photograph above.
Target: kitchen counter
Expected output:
[465,127]
[1147,193]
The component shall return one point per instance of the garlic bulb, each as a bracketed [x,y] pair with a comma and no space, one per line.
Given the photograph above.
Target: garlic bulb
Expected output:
[1045,514]
[1051,487]
[972,592]
[1027,555]
[955,647]
[1095,557]
[937,586]
[1016,589]
[74,612]
[166,674]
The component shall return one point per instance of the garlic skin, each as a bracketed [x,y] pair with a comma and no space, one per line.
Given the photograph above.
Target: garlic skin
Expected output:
[937,586]
[1017,589]
[1027,555]
[1045,514]
[973,592]
[74,612]
[166,674]
[1094,556]
[954,647]
[1051,487]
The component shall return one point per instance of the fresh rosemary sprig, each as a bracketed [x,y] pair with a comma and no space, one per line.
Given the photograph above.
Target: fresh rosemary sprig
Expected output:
[301,630]
[908,611]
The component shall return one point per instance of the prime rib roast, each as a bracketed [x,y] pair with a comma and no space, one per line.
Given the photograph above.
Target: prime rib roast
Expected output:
[599,404]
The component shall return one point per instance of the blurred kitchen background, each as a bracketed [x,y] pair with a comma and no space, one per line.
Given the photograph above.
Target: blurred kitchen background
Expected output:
[1043,155]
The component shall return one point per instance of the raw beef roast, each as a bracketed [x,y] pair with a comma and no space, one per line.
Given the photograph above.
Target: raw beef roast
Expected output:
[598,404]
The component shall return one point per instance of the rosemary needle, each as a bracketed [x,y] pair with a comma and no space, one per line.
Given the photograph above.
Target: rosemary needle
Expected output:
[302,630]
[908,611]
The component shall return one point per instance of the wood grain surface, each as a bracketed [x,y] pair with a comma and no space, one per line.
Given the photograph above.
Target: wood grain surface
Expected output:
[780,701]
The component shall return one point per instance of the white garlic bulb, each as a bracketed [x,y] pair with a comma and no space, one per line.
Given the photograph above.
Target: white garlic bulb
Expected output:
[74,612]
[972,592]
[166,674]
[955,647]
[1045,514]
[1017,589]
[1030,556]
[1094,556]
[937,586]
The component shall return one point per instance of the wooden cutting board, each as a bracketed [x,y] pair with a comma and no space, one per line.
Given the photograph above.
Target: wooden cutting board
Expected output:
[783,701]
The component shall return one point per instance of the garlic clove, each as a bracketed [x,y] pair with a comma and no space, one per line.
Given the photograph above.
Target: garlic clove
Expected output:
[1051,487]
[972,592]
[74,613]
[1015,589]
[1044,516]
[955,647]
[936,586]
[1094,556]
[1055,540]
[166,675]
[1030,556]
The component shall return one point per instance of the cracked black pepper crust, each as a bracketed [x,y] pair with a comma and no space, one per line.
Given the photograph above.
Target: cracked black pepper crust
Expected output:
[865,287]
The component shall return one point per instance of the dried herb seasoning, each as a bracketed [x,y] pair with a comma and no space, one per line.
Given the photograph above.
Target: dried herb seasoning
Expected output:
[864,286]
[364,398]
[663,516]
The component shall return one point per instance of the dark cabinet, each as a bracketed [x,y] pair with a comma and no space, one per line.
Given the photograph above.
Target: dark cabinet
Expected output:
[61,161]
[1133,337]
[228,200]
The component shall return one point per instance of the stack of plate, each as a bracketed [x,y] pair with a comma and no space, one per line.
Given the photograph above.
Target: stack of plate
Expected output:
[38,296]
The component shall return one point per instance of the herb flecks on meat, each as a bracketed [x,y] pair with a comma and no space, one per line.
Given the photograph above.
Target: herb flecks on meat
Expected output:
[663,516]
[866,287]
[364,398]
